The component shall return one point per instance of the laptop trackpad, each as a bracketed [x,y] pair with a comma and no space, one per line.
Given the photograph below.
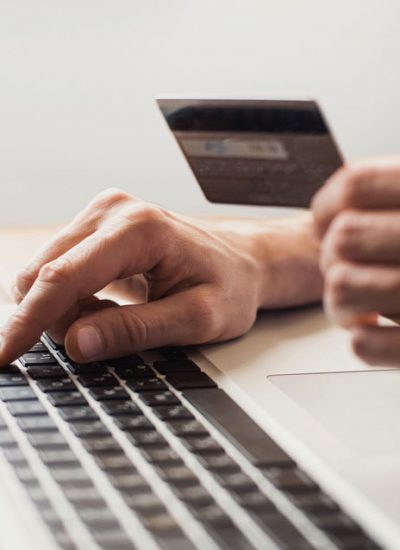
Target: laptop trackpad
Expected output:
[362,409]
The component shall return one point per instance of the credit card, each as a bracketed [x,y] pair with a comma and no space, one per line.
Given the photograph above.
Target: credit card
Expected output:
[261,152]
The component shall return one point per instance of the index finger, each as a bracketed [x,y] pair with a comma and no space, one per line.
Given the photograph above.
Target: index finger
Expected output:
[370,185]
[61,284]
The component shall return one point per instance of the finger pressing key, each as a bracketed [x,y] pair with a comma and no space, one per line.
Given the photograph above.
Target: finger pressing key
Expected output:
[81,272]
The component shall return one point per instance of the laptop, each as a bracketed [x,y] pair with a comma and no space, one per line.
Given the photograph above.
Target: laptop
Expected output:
[279,439]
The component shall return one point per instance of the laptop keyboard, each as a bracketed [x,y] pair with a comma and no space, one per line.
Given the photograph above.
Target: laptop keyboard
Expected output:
[131,454]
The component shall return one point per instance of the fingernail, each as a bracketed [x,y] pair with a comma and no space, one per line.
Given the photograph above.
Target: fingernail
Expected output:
[89,342]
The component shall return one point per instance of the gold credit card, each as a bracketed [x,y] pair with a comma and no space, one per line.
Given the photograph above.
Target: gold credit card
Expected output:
[262,152]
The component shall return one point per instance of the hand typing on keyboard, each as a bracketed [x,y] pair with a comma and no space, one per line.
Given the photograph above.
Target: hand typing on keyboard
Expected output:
[204,279]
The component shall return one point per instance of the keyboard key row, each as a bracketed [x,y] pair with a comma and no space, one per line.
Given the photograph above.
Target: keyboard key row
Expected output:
[184,375]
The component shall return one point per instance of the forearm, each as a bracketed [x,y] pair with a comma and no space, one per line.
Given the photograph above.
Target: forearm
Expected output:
[287,254]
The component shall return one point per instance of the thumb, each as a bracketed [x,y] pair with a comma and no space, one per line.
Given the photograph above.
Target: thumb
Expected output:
[121,330]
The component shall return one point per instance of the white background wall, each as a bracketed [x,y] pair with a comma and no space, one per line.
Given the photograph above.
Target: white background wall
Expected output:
[78,80]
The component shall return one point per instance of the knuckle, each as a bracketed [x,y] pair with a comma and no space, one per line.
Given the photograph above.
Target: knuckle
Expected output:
[143,213]
[110,197]
[337,284]
[354,184]
[133,329]
[55,272]
[342,233]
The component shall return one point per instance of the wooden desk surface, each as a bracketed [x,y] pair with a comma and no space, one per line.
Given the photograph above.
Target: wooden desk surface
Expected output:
[17,245]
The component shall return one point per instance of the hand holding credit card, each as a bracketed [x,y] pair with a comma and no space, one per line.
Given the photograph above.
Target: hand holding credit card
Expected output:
[260,152]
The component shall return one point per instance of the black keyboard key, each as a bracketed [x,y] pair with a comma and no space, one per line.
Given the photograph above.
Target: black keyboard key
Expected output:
[177,475]
[90,369]
[15,456]
[314,503]
[291,480]
[127,408]
[74,414]
[88,429]
[162,524]
[40,358]
[58,457]
[203,445]
[131,483]
[18,393]
[146,438]
[10,379]
[134,371]
[37,424]
[285,535]
[144,503]
[176,366]
[9,369]
[128,361]
[354,542]
[162,455]
[56,385]
[115,461]
[238,427]
[7,439]
[255,501]
[28,408]
[114,539]
[51,342]
[175,412]
[64,474]
[221,528]
[98,516]
[39,347]
[66,399]
[101,444]
[98,380]
[62,354]
[46,371]
[337,524]
[195,495]
[219,463]
[183,428]
[137,422]
[47,440]
[228,536]
[237,482]
[146,384]
[170,352]
[186,380]
[161,398]
[82,495]
[212,515]
[116,393]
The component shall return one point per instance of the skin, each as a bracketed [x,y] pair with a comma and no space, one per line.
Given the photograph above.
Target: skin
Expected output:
[191,281]
[184,280]
[357,219]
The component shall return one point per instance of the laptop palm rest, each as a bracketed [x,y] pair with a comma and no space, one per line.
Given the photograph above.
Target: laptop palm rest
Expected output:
[361,409]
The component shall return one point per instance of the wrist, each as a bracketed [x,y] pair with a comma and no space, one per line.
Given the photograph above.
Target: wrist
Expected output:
[287,253]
